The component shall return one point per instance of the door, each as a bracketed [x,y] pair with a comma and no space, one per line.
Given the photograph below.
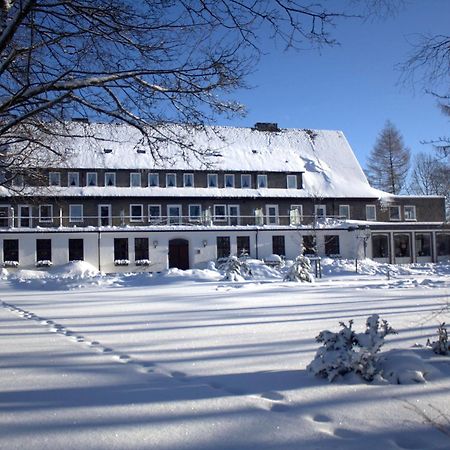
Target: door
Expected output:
[25,216]
[179,254]
[233,214]
[104,215]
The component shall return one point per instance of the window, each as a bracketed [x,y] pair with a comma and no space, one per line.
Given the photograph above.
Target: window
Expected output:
[246,181]
[344,211]
[136,213]
[410,213]
[261,181]
[443,244]
[371,212]
[332,245]
[45,213]
[73,179]
[291,181]
[18,181]
[171,180]
[140,249]
[220,213]
[309,245]
[278,245]
[120,249]
[229,180]
[54,179]
[154,213]
[153,180]
[243,245]
[43,249]
[76,250]
[75,213]
[195,213]
[394,212]
[10,250]
[188,180]
[223,246]
[296,214]
[212,180]
[380,246]
[135,179]
[91,179]
[402,246]
[4,216]
[110,179]
[174,214]
[25,216]
[423,244]
[320,210]
[272,214]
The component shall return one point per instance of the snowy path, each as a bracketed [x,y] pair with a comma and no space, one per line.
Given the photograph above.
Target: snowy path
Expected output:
[186,365]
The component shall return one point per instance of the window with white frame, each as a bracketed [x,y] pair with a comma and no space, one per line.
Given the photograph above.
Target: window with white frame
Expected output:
[320,210]
[171,180]
[135,179]
[73,179]
[296,214]
[344,211]
[75,213]
[261,181]
[272,214]
[410,212]
[91,179]
[229,180]
[291,181]
[136,213]
[54,179]
[110,179]
[394,213]
[174,214]
[246,181]
[154,213]
[153,180]
[371,212]
[45,213]
[212,180]
[220,213]
[195,213]
[188,180]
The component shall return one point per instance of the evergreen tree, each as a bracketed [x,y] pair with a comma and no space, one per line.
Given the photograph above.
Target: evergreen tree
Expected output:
[388,163]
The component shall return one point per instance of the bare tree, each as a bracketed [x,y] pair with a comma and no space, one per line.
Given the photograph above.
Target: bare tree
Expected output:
[137,62]
[388,163]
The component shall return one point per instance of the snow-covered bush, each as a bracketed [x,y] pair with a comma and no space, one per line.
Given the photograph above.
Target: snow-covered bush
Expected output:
[347,351]
[441,346]
[234,268]
[300,270]
[44,263]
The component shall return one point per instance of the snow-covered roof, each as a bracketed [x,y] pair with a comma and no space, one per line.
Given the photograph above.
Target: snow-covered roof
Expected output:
[329,166]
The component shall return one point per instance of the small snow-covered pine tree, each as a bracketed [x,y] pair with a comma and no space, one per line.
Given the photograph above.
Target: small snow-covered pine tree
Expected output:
[441,346]
[234,268]
[300,270]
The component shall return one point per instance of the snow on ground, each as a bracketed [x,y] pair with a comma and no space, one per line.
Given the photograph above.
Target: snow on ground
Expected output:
[184,360]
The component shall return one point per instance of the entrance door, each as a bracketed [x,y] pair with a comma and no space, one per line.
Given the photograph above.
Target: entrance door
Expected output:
[233,214]
[104,215]
[179,254]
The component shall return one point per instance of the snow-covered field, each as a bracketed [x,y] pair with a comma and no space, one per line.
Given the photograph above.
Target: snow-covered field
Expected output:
[183,360]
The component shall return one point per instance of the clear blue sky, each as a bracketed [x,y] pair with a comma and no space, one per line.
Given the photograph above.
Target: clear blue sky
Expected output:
[353,87]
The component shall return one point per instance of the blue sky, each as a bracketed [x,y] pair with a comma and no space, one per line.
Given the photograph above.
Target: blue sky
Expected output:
[353,87]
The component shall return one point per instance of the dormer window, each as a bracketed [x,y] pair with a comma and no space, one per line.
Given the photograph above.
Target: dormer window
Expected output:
[54,179]
[246,181]
[107,150]
[171,180]
[229,180]
[188,180]
[110,179]
[91,179]
[262,181]
[291,181]
[73,179]
[212,180]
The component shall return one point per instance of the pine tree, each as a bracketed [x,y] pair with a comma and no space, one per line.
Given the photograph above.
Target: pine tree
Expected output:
[388,163]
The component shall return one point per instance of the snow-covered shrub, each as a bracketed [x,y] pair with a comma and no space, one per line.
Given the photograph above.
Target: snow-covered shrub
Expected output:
[346,351]
[121,262]
[300,270]
[234,268]
[274,261]
[441,346]
[44,263]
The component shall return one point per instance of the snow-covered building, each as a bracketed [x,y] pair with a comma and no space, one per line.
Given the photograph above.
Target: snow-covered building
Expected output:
[261,190]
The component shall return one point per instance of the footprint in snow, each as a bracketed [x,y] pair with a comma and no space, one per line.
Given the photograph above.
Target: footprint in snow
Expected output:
[344,433]
[322,418]
[276,396]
